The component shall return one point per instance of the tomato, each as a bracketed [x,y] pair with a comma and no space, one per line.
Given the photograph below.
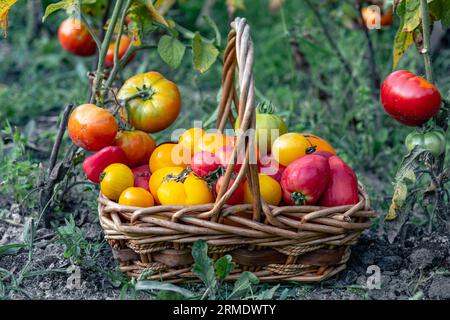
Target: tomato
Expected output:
[432,141]
[75,38]
[204,163]
[317,144]
[142,176]
[342,189]
[370,17]
[224,155]
[136,197]
[92,128]
[269,166]
[190,138]
[124,44]
[270,190]
[238,195]
[212,142]
[158,176]
[409,99]
[115,179]
[289,147]
[268,127]
[190,191]
[168,155]
[304,180]
[94,165]
[159,104]
[137,145]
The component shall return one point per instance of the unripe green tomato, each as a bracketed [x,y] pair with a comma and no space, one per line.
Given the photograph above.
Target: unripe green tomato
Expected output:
[433,141]
[266,121]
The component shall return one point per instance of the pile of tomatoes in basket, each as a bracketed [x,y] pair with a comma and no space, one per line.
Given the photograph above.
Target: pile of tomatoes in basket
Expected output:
[133,170]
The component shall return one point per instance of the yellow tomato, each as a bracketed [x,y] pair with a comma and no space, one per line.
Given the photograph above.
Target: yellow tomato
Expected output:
[191,138]
[212,142]
[115,179]
[168,155]
[136,197]
[289,147]
[317,143]
[192,191]
[157,178]
[270,190]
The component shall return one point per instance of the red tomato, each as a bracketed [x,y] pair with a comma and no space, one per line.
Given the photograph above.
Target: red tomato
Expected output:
[204,162]
[124,44]
[75,38]
[92,128]
[137,145]
[269,166]
[142,176]
[94,165]
[409,99]
[343,186]
[238,195]
[304,180]
[224,154]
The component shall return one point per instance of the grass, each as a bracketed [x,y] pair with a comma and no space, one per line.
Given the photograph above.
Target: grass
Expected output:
[38,78]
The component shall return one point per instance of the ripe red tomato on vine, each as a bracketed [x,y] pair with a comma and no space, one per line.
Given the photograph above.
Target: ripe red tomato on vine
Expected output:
[75,38]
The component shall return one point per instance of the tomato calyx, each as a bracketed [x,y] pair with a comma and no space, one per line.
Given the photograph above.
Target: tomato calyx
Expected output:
[212,177]
[145,93]
[298,197]
[178,177]
[265,107]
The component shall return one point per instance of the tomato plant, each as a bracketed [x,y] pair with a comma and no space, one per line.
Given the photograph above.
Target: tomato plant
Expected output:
[124,44]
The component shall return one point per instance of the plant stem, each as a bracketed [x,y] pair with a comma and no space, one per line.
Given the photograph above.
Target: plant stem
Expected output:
[119,35]
[90,30]
[426,39]
[104,49]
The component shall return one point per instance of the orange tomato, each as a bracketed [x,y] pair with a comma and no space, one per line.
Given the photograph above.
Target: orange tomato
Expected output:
[157,178]
[137,145]
[212,142]
[115,179]
[316,143]
[75,38]
[136,197]
[159,104]
[168,155]
[124,44]
[92,128]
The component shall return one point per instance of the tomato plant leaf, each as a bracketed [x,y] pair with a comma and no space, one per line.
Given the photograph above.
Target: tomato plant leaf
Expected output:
[204,53]
[171,50]
[154,13]
[70,6]
[5,6]
[440,10]
[156,285]
[411,15]
[403,39]
[224,266]
[163,6]
[243,284]
[203,265]
[213,25]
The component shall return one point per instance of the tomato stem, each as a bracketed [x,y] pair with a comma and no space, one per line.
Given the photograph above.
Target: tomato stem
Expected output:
[298,198]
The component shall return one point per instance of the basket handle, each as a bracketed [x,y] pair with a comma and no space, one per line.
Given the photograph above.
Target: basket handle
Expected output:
[239,52]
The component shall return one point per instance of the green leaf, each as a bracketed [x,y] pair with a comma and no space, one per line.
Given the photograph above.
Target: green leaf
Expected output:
[403,40]
[213,25]
[169,295]
[70,6]
[412,15]
[243,284]
[156,285]
[203,266]
[171,50]
[11,248]
[267,294]
[440,10]
[224,266]
[205,54]
[5,6]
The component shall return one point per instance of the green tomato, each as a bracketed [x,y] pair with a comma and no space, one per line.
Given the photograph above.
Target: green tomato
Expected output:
[433,141]
[269,126]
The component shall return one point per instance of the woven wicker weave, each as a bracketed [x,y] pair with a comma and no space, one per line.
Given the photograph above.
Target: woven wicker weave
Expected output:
[286,243]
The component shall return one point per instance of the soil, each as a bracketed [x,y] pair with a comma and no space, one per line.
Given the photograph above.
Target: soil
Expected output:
[417,268]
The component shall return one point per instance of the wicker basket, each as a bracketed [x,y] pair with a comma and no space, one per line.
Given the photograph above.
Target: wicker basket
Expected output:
[286,243]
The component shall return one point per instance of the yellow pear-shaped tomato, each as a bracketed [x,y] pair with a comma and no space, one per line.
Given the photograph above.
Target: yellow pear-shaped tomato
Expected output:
[168,155]
[136,197]
[115,179]
[157,178]
[158,105]
[270,190]
[191,191]
[289,147]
